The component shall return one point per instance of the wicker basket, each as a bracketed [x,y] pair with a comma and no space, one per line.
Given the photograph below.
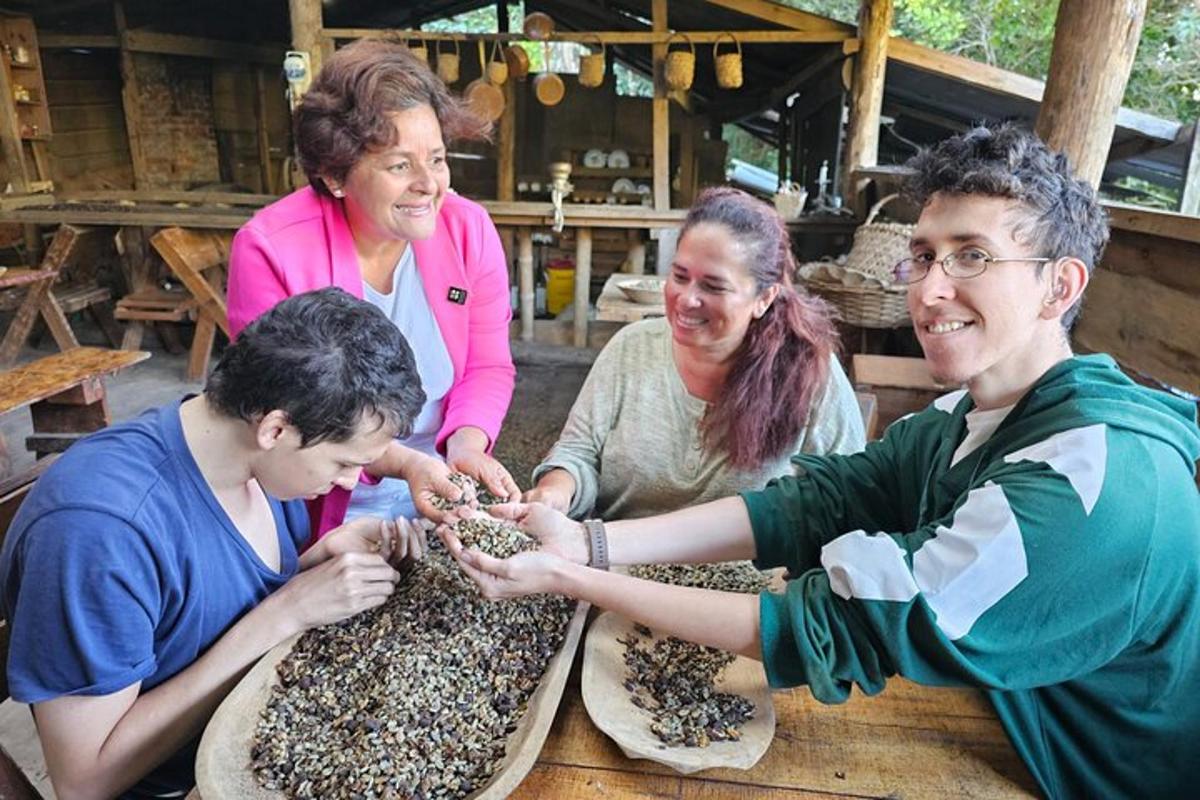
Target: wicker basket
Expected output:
[878,245]
[728,65]
[864,306]
[680,69]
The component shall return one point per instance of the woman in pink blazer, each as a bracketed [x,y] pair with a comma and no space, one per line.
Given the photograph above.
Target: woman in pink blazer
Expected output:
[379,220]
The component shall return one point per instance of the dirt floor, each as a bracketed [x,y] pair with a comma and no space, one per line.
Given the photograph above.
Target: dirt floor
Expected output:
[548,379]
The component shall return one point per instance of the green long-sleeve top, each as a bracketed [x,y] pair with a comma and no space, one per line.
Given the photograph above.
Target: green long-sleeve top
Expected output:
[633,443]
[1057,567]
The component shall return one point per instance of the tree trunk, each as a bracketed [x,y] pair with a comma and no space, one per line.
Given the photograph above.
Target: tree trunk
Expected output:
[1094,45]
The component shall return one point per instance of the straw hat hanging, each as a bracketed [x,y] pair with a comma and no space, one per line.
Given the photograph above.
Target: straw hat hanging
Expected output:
[728,65]
[680,68]
[591,67]
[447,65]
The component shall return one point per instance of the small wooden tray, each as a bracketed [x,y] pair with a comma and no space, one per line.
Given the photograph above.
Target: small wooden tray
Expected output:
[223,761]
[612,710]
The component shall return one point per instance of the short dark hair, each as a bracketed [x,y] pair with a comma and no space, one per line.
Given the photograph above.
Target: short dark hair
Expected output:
[345,112]
[325,359]
[1006,160]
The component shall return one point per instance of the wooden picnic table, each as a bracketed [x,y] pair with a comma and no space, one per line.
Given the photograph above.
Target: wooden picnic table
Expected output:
[909,741]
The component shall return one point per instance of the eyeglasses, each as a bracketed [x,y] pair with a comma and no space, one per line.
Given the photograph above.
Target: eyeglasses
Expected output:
[966,263]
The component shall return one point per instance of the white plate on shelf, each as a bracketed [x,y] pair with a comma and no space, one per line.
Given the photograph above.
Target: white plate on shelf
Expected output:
[618,159]
[595,158]
[624,186]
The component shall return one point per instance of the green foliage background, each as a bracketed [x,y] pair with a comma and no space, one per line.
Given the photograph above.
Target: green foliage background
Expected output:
[1019,34]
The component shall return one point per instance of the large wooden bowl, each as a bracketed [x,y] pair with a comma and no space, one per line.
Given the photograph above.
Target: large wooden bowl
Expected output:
[223,762]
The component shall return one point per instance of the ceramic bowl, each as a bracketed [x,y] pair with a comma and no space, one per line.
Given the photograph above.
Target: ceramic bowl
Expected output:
[643,290]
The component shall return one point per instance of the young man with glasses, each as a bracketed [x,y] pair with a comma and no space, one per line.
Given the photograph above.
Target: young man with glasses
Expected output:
[1035,534]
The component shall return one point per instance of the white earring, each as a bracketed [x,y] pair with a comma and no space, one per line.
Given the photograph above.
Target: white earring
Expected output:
[338,193]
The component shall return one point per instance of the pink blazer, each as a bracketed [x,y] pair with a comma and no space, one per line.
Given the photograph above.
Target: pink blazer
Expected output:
[303,242]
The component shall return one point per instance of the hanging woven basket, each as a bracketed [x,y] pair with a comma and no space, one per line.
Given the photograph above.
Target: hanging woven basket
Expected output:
[497,66]
[680,68]
[728,65]
[448,65]
[591,68]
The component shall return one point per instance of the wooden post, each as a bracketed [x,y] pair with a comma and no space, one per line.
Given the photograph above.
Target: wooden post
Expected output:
[1094,45]
[583,283]
[525,281]
[866,94]
[131,101]
[264,142]
[636,261]
[506,145]
[1189,201]
[661,112]
[10,137]
[306,30]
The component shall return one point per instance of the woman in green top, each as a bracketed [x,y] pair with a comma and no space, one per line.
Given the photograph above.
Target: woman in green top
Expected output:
[740,377]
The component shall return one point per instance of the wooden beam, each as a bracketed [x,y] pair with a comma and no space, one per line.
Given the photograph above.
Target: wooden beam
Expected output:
[65,41]
[661,113]
[131,102]
[307,26]
[262,135]
[1094,45]
[1189,202]
[608,37]
[866,95]
[170,44]
[506,145]
[783,15]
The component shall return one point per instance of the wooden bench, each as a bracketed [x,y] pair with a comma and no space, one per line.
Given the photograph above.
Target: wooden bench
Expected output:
[198,259]
[65,393]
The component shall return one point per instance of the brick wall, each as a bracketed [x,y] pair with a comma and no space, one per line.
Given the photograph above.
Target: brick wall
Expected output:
[178,137]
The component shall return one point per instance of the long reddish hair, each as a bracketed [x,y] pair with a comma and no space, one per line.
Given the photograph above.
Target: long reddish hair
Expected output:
[782,364]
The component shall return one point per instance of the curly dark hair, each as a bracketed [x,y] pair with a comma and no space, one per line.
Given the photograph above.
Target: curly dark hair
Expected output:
[324,358]
[1006,160]
[344,114]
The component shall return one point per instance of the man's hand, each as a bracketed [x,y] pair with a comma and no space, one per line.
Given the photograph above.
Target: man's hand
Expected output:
[394,540]
[336,588]
[556,533]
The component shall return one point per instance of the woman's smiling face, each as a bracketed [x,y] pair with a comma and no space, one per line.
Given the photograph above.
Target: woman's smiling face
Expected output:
[396,193]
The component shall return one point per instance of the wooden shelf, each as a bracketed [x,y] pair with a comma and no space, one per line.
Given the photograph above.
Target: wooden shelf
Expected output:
[612,172]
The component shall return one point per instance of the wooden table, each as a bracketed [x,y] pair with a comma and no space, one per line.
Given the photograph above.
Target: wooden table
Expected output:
[613,306]
[908,742]
[38,300]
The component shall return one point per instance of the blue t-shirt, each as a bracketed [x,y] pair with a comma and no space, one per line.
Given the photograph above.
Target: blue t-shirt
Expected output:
[121,566]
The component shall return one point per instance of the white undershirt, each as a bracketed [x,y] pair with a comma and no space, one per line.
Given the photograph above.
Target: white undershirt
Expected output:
[408,308]
[980,427]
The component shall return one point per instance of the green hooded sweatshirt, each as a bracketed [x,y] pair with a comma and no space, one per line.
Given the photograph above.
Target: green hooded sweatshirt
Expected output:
[1056,566]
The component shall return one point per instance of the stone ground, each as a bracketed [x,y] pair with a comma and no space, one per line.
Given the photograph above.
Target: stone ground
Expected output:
[548,379]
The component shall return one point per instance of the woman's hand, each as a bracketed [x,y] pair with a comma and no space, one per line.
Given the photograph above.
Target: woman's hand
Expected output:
[555,532]
[555,489]
[429,478]
[466,452]
[531,572]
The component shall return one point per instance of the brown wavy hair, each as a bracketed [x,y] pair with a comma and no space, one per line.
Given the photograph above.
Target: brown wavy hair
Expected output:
[345,113]
[782,364]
